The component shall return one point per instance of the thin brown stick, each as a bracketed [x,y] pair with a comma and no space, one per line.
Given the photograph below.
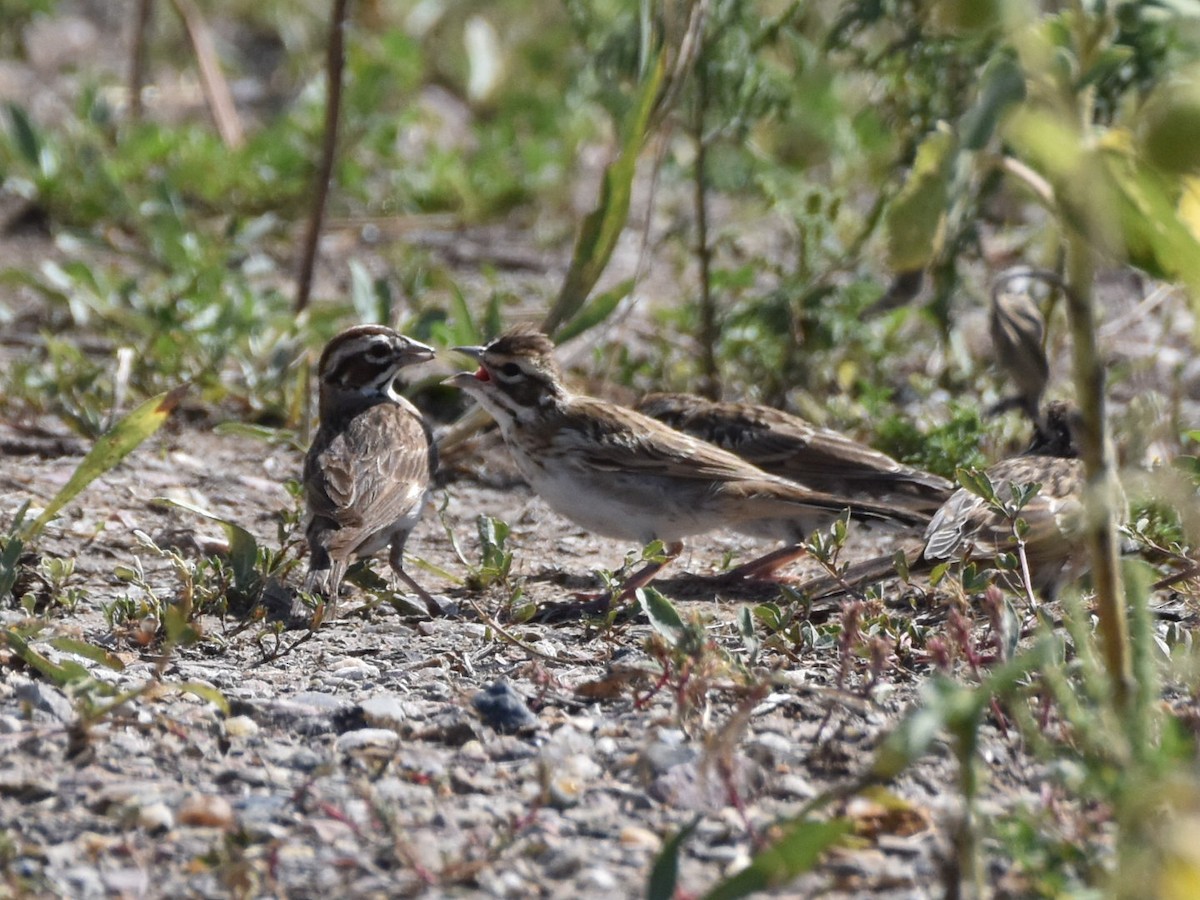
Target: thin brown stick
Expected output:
[710,385]
[335,62]
[212,79]
[137,58]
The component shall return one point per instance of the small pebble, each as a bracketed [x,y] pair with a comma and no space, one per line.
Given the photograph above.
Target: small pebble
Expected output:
[641,838]
[368,739]
[503,708]
[384,711]
[156,818]
[206,811]
[241,726]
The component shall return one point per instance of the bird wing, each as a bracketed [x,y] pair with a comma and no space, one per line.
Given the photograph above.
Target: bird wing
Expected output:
[372,472]
[785,444]
[618,439]
[966,523]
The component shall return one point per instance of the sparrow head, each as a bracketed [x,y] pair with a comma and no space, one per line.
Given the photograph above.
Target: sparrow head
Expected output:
[517,376]
[364,360]
[1055,432]
[1018,334]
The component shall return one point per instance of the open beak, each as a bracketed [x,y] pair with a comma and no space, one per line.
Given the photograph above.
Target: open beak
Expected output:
[466,380]
[462,380]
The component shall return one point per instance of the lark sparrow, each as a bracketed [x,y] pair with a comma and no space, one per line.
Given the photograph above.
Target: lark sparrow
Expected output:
[788,446]
[367,473]
[619,473]
[968,527]
[1018,333]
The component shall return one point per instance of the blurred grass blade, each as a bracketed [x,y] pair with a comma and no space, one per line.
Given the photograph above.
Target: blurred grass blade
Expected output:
[61,675]
[112,447]
[205,692]
[89,651]
[794,853]
[25,135]
[595,311]
[664,876]
[243,548]
[602,226]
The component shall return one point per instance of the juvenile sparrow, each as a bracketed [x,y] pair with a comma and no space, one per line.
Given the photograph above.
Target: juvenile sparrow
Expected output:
[367,473]
[1018,330]
[619,473]
[968,527]
[788,446]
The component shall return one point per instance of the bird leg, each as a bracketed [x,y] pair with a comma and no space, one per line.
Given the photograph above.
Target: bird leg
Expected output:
[600,603]
[396,558]
[764,567]
[647,573]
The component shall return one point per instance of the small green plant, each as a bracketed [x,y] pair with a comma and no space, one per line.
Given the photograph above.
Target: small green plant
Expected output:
[941,450]
[12,548]
[495,558]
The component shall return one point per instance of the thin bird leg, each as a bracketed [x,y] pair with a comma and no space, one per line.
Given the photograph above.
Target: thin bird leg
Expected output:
[600,603]
[647,573]
[764,568]
[396,558]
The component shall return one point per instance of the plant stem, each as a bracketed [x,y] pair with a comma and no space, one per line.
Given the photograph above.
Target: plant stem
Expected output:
[1096,449]
[334,65]
[709,384]
[137,59]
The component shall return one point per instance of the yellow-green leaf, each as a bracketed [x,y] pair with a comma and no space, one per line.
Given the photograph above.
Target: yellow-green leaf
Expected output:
[243,548]
[205,692]
[110,448]
[796,852]
[916,218]
[602,227]
[88,651]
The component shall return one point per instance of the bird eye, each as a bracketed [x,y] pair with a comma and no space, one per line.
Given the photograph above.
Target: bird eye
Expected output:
[511,369]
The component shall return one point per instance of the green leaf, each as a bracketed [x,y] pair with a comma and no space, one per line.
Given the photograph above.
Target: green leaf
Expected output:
[465,333]
[243,548]
[89,651]
[1003,85]
[664,876]
[205,692]
[977,482]
[602,226]
[916,218]
[663,616]
[110,448]
[1155,237]
[61,675]
[25,136]
[595,311]
[795,852]
[770,615]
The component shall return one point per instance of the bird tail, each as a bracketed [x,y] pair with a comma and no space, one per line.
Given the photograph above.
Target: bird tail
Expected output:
[324,580]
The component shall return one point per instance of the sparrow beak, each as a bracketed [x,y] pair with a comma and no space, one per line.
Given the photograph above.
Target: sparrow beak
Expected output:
[463,381]
[415,352]
[473,352]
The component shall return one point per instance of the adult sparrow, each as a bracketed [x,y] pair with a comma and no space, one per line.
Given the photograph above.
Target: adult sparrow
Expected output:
[620,473]
[969,527]
[367,473]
